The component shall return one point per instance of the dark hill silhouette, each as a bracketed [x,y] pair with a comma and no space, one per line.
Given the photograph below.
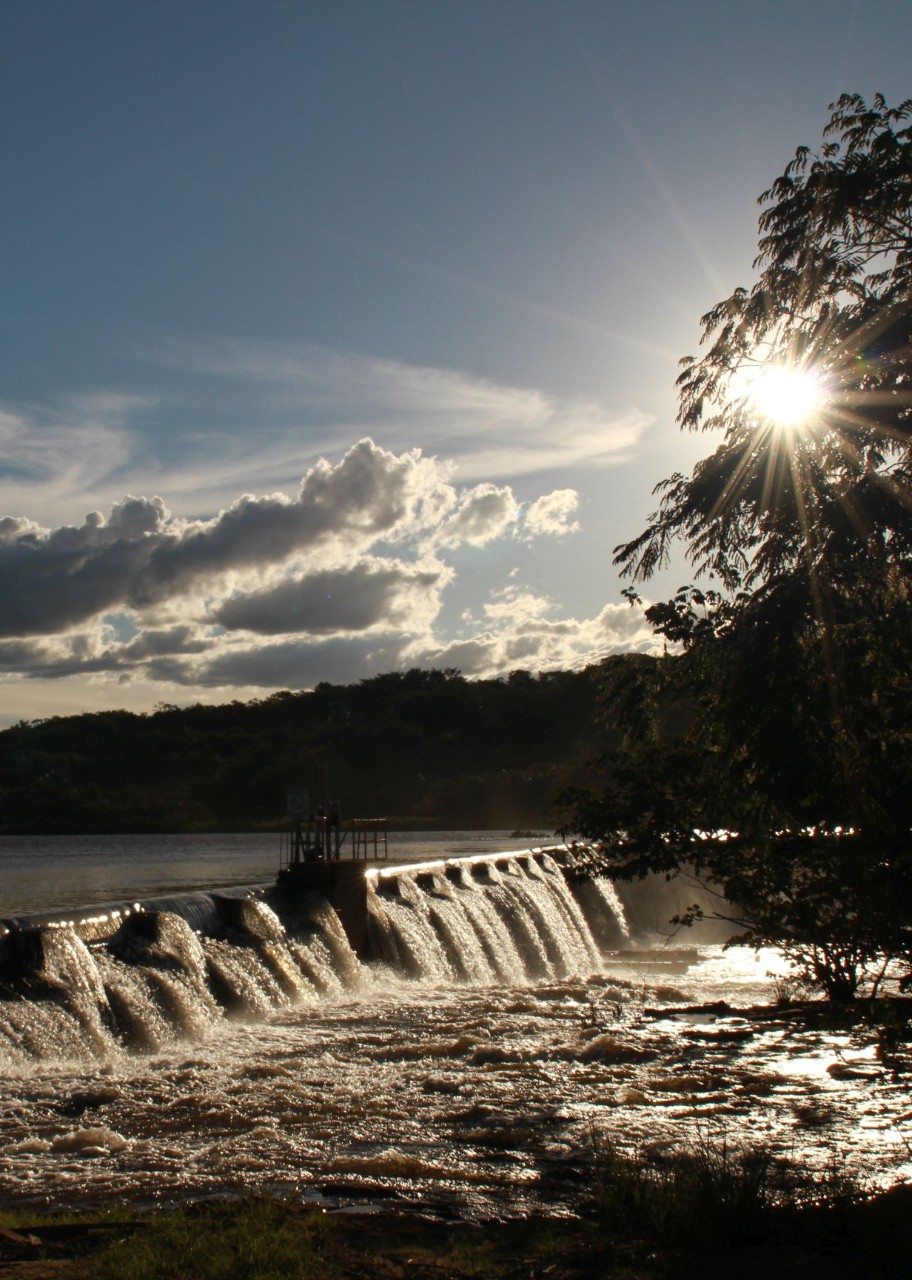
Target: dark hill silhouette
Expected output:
[427,748]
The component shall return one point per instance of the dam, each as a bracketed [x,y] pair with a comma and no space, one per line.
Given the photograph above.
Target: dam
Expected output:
[138,976]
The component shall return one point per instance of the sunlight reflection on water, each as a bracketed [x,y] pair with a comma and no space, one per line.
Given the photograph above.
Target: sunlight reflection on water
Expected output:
[41,872]
[483,1099]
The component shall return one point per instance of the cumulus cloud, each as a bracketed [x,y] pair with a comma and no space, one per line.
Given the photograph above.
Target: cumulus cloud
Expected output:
[374,594]
[144,559]
[157,642]
[517,634]
[340,580]
[484,514]
[524,639]
[51,580]
[79,653]
[489,511]
[521,636]
[551,514]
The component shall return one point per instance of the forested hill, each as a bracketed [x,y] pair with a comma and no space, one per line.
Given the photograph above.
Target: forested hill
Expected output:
[425,747]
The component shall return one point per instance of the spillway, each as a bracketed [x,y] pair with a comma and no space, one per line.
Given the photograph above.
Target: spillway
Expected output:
[139,977]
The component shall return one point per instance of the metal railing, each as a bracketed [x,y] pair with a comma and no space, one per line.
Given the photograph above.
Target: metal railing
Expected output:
[320,839]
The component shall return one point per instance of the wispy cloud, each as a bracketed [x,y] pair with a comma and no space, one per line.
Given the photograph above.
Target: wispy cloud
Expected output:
[491,430]
[262,415]
[58,457]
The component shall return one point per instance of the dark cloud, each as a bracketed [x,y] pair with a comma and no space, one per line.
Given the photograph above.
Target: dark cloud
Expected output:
[354,599]
[20,655]
[53,581]
[291,664]
[155,642]
[477,656]
[87,653]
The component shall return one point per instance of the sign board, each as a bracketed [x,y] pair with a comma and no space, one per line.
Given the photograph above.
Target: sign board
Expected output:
[297,803]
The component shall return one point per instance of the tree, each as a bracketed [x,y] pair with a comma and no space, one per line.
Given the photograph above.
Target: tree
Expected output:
[792,665]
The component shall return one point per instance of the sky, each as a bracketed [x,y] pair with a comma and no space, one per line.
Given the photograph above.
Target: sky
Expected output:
[340,337]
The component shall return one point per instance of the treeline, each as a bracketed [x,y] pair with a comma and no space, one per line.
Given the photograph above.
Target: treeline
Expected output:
[427,748]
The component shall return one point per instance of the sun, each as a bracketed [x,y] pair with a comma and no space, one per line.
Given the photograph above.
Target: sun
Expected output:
[785,396]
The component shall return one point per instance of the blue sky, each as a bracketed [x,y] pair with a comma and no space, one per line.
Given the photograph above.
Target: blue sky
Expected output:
[342,337]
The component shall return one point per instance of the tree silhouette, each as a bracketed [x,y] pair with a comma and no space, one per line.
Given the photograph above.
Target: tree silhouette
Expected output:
[792,661]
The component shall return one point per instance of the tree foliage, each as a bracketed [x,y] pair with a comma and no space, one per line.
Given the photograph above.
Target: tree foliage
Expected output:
[428,747]
[792,663]
[832,296]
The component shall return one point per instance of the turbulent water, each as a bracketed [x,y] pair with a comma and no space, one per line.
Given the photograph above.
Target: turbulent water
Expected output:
[504,1026]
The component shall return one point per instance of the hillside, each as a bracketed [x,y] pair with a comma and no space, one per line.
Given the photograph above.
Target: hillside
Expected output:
[427,748]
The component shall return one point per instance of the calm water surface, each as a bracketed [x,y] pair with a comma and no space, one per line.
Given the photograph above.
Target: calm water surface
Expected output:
[40,873]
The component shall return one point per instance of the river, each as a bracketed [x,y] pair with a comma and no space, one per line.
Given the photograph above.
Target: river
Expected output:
[477,1093]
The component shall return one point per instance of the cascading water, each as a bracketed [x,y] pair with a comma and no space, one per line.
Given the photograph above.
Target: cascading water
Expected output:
[513,922]
[84,990]
[493,1021]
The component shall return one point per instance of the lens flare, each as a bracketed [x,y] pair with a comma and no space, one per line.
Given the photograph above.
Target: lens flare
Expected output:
[785,396]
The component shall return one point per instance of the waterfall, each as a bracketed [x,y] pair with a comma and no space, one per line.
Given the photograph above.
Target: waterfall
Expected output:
[138,978]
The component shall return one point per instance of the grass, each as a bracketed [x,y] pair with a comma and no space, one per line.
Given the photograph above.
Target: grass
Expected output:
[711,1211]
[732,1193]
[714,1210]
[255,1239]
